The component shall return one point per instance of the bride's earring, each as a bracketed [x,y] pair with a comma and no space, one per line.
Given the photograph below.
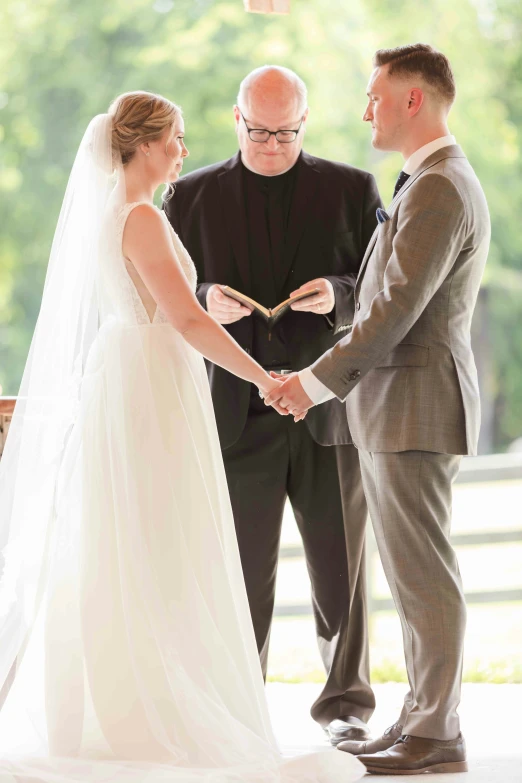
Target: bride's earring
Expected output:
[147,154]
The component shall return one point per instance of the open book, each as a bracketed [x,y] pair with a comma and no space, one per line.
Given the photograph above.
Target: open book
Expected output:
[270,314]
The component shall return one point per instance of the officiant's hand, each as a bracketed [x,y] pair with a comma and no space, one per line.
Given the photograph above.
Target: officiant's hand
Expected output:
[222,308]
[289,398]
[322,303]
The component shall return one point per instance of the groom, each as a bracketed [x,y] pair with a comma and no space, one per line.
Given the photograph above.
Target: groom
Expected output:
[270,221]
[408,376]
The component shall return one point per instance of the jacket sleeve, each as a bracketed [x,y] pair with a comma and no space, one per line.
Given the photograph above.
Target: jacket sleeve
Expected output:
[425,247]
[341,318]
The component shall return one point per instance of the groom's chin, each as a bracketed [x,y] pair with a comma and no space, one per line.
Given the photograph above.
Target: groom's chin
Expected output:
[379,144]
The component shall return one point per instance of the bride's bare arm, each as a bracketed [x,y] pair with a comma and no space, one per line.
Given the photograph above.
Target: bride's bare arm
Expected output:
[148,244]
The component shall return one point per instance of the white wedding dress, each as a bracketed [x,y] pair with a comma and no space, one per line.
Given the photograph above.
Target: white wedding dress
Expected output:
[134,654]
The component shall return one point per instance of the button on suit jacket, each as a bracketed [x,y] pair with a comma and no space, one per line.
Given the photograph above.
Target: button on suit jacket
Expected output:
[332,218]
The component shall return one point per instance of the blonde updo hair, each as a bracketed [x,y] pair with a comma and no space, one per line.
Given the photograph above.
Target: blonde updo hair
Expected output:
[138,117]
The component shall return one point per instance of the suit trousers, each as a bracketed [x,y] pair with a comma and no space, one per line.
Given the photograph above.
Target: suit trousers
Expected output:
[409,499]
[276,458]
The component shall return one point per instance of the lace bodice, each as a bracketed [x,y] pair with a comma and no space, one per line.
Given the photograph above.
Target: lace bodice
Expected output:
[134,290]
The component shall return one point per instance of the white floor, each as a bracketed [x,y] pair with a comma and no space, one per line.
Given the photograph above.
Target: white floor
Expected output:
[490,715]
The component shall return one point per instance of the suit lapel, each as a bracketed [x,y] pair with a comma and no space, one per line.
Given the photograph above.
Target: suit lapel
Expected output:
[369,249]
[233,206]
[306,184]
[451,151]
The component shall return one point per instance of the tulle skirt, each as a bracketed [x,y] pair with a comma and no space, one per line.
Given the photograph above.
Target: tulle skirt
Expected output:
[141,663]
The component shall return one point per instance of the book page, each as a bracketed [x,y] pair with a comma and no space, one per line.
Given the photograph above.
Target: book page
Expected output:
[266,311]
[297,298]
[245,300]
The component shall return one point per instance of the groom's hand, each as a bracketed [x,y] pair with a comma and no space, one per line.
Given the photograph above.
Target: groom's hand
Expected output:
[222,308]
[290,398]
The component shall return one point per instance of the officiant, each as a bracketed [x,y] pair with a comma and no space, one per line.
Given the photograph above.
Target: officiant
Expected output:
[271,221]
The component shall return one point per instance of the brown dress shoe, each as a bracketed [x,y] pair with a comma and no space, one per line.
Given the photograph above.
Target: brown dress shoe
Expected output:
[390,736]
[413,755]
[347,727]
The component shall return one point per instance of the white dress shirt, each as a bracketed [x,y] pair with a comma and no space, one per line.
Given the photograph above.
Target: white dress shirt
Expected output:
[418,157]
[313,387]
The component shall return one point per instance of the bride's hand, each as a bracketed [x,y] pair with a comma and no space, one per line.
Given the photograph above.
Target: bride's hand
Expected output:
[270,383]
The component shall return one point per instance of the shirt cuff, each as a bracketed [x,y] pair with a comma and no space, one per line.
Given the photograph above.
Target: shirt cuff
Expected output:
[313,387]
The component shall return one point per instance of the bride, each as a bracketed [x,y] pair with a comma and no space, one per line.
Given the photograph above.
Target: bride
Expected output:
[126,646]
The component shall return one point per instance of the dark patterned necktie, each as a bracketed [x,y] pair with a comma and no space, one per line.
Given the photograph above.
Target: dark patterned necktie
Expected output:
[401,179]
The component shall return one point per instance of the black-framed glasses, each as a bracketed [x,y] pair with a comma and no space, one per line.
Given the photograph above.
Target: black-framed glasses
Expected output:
[261,135]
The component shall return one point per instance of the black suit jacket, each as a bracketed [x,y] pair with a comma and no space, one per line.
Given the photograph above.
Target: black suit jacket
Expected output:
[332,218]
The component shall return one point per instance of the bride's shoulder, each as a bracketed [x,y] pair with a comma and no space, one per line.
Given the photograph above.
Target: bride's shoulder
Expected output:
[142,224]
[140,208]
[142,216]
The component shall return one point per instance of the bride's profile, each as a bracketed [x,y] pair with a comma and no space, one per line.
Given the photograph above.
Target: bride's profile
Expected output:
[126,646]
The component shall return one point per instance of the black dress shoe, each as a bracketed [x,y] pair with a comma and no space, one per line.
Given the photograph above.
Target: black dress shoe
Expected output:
[416,755]
[347,727]
[390,736]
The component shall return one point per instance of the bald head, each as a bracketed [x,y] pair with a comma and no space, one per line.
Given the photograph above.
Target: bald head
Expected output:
[270,86]
[271,98]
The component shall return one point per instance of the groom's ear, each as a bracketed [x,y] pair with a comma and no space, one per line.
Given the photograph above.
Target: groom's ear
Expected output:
[415,101]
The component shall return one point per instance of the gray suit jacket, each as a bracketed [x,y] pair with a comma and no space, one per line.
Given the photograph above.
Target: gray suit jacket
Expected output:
[406,369]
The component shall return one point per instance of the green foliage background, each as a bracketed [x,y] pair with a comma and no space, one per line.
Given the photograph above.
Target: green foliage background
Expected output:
[62,61]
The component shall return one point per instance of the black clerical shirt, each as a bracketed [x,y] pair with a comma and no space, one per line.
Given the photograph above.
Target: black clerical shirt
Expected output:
[268,201]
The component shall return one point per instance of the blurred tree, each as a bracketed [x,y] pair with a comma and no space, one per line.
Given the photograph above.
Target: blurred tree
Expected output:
[62,61]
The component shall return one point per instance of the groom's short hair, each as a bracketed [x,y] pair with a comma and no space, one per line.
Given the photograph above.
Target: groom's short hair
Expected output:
[422,60]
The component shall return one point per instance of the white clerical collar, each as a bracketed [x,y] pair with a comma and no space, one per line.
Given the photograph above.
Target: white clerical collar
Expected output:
[418,157]
[279,173]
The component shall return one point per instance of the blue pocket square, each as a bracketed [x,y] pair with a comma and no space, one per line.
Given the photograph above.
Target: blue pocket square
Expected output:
[382,216]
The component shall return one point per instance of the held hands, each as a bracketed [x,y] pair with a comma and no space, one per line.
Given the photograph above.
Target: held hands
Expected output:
[270,389]
[222,308]
[322,303]
[271,385]
[289,397]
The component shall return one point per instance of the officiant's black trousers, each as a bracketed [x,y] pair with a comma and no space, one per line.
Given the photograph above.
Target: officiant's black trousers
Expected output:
[276,458]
